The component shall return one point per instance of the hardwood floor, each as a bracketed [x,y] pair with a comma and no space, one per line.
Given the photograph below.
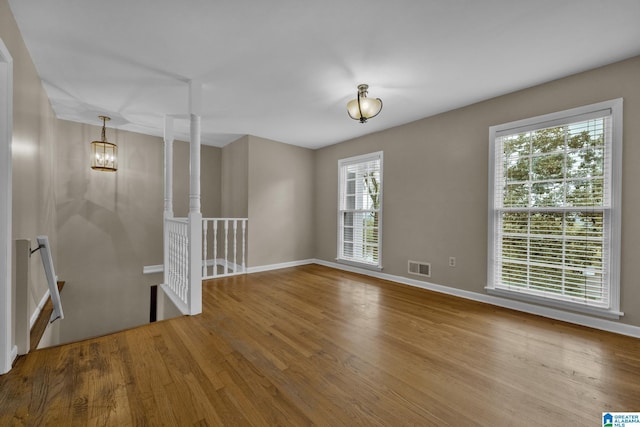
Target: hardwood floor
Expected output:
[316,346]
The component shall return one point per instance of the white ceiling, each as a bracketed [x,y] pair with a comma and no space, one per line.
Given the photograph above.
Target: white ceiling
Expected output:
[285,69]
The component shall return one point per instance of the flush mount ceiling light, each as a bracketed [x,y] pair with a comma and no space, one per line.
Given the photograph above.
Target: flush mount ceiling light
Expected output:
[363,108]
[104,155]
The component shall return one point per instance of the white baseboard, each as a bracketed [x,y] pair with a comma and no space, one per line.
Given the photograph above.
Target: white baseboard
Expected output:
[152,269]
[13,355]
[552,313]
[174,299]
[159,268]
[38,309]
[222,263]
[269,267]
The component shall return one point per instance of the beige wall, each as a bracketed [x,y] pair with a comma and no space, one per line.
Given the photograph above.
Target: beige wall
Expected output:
[34,127]
[271,183]
[211,181]
[435,180]
[110,225]
[281,214]
[235,179]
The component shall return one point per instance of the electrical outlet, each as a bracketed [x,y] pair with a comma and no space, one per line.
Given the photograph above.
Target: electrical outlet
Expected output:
[452,261]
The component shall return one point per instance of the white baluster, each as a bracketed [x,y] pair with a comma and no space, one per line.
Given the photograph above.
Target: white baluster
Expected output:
[187,284]
[173,257]
[205,268]
[235,245]
[215,247]
[169,261]
[176,259]
[244,227]
[185,264]
[226,246]
[180,267]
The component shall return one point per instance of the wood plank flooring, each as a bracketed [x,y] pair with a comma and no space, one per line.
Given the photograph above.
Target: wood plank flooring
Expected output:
[316,346]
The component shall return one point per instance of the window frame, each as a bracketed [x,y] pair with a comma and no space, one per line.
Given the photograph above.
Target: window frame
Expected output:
[342,164]
[560,118]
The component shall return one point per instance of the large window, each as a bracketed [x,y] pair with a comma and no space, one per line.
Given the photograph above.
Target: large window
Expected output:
[554,217]
[360,210]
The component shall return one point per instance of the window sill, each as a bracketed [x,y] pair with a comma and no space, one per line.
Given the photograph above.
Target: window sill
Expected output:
[562,305]
[359,264]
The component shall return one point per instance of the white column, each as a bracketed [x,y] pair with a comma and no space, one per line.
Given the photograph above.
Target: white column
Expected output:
[168,166]
[195,216]
[168,192]
[195,105]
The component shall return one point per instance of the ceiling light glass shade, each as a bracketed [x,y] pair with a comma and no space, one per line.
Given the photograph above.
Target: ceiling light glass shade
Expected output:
[363,108]
[104,155]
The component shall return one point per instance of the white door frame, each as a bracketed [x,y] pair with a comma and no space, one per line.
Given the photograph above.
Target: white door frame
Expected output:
[7,347]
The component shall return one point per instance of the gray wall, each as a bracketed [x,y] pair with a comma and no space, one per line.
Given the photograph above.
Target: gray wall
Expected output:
[34,128]
[435,180]
[281,202]
[235,179]
[110,225]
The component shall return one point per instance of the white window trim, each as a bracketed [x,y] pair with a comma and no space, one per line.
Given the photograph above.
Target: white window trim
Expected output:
[378,155]
[550,120]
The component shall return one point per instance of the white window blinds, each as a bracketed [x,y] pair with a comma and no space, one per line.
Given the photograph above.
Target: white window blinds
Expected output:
[552,209]
[360,209]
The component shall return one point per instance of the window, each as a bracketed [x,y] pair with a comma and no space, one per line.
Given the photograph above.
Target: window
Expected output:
[360,210]
[554,209]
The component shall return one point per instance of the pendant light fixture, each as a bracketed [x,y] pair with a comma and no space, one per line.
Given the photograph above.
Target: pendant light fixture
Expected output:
[104,155]
[363,108]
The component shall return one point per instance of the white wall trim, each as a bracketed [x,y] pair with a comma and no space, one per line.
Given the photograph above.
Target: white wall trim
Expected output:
[159,268]
[261,268]
[180,305]
[230,266]
[552,313]
[14,353]
[153,269]
[8,351]
[38,309]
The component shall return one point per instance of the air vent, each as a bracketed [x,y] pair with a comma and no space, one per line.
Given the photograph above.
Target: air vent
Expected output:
[420,268]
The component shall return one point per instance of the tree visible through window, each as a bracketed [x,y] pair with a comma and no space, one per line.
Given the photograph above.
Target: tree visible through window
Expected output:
[359,210]
[555,227]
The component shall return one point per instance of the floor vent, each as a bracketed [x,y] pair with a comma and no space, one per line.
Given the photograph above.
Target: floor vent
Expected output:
[420,268]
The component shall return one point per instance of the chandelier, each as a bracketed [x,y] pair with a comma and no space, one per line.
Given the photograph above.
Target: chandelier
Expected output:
[104,155]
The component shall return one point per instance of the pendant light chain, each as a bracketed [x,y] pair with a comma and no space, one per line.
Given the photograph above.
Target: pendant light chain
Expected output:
[104,131]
